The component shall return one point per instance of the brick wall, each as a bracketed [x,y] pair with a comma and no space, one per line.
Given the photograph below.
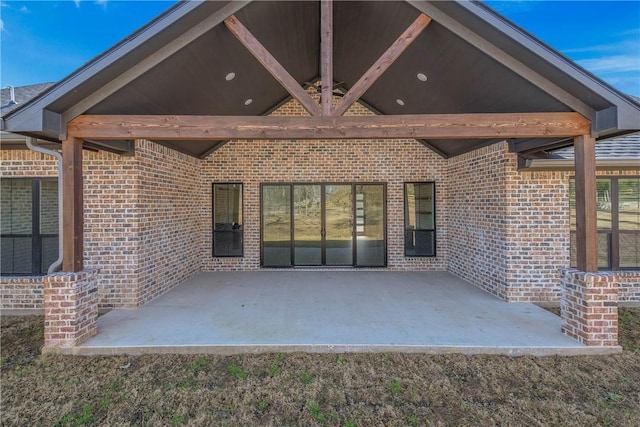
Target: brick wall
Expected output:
[168,222]
[477,228]
[21,293]
[628,286]
[322,161]
[537,233]
[141,222]
[71,309]
[589,307]
[110,232]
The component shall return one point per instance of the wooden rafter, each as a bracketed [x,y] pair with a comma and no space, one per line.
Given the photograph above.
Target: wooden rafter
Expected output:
[382,64]
[425,126]
[272,65]
[326,55]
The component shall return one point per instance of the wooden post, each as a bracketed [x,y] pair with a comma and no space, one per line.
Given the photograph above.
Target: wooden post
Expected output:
[586,211]
[72,205]
[326,55]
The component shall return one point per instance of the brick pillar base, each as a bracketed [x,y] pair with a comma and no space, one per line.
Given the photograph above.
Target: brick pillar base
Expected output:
[589,307]
[70,309]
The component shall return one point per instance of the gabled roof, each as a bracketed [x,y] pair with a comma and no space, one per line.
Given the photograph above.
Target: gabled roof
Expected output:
[21,95]
[475,62]
[621,148]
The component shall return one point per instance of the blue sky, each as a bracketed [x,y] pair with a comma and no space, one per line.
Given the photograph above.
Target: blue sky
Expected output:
[43,41]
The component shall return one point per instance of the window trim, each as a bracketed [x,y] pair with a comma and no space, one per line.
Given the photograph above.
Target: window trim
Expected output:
[404,220]
[37,269]
[213,221]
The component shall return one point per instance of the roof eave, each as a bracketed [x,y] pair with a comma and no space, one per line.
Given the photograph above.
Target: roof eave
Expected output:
[30,117]
[623,113]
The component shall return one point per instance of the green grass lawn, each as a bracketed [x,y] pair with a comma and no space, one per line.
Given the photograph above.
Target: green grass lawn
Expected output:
[316,389]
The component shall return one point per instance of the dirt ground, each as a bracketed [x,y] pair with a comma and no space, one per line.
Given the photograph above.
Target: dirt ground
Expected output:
[316,390]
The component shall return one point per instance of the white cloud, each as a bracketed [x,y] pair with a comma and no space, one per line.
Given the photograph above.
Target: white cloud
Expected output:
[77,3]
[2,29]
[102,3]
[25,9]
[612,64]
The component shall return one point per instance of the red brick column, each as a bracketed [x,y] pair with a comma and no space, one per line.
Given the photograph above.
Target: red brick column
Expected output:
[589,307]
[70,309]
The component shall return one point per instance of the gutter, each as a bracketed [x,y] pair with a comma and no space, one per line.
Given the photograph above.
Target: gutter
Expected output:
[564,164]
[31,143]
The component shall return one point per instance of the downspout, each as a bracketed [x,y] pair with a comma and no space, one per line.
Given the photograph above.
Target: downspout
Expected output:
[31,143]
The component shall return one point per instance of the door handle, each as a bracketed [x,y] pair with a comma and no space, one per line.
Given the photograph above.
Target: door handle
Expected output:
[323,232]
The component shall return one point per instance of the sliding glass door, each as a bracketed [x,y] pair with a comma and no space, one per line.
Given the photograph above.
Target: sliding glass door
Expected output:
[323,225]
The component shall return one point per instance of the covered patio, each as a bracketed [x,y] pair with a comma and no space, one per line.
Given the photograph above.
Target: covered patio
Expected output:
[207,80]
[331,311]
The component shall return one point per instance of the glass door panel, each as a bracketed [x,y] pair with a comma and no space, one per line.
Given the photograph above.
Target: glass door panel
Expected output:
[276,225]
[370,225]
[338,213]
[307,224]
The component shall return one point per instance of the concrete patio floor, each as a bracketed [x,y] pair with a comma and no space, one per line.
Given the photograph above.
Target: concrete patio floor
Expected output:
[331,311]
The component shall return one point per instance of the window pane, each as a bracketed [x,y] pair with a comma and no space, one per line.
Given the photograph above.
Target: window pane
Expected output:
[276,225]
[16,207]
[49,252]
[16,255]
[419,219]
[603,204]
[49,207]
[227,219]
[370,217]
[629,222]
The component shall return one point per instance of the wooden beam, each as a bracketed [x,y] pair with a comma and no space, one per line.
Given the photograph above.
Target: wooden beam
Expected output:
[272,65]
[72,205]
[425,126]
[382,64]
[586,212]
[326,56]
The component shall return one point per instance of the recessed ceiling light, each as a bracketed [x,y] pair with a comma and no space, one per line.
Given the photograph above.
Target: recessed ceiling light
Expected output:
[399,102]
[248,101]
[230,76]
[422,77]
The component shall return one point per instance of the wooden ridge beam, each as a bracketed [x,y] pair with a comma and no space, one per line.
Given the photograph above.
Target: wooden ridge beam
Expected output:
[421,126]
[382,64]
[326,56]
[272,65]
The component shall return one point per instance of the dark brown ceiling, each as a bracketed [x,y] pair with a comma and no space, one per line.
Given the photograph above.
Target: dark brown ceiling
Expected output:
[460,77]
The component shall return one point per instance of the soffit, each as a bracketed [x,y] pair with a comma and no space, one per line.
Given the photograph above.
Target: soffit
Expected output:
[461,78]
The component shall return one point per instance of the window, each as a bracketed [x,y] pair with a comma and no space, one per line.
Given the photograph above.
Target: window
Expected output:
[29,227]
[227,220]
[618,204]
[419,219]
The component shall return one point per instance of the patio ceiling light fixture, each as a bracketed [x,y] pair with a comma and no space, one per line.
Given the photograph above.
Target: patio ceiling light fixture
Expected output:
[422,77]
[400,102]
[248,101]
[230,76]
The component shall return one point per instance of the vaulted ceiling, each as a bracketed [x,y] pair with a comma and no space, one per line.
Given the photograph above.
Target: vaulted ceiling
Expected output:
[468,60]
